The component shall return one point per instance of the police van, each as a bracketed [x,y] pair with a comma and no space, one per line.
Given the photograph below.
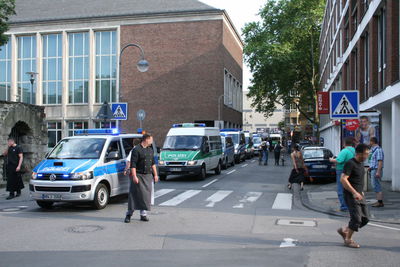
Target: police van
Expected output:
[239,140]
[191,148]
[88,167]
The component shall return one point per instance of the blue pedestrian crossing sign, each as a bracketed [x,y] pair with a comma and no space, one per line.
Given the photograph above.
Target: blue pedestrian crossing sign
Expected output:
[344,105]
[119,111]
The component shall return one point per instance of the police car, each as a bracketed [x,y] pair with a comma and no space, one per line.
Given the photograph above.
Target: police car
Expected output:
[88,167]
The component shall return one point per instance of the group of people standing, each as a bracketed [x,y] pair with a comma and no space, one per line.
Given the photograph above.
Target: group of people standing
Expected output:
[266,147]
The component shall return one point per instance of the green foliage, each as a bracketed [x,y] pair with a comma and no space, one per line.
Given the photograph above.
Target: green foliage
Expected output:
[7,8]
[282,52]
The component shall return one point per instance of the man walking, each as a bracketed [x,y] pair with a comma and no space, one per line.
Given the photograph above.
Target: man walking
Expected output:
[264,152]
[376,169]
[353,183]
[142,170]
[277,152]
[14,162]
[344,156]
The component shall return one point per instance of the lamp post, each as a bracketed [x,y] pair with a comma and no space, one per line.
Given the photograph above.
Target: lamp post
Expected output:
[142,65]
[219,106]
[32,80]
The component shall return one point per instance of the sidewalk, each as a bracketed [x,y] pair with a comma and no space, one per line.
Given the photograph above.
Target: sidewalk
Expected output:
[323,198]
[12,202]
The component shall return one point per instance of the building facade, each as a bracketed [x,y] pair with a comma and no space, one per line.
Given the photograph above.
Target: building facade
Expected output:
[359,46]
[256,122]
[65,56]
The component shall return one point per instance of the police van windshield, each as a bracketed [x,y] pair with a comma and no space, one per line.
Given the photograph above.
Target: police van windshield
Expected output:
[78,148]
[257,140]
[235,138]
[182,142]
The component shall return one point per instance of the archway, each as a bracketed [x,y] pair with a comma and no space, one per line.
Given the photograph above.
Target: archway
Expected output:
[20,132]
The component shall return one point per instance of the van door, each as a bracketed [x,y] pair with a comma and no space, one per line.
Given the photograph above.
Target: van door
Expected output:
[115,168]
[206,152]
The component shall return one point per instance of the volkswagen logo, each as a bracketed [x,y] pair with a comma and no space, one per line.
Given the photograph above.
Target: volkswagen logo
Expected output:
[53,177]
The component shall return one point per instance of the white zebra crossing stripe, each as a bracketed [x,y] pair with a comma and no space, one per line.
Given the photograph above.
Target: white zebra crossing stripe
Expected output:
[162,192]
[250,197]
[283,201]
[217,197]
[180,198]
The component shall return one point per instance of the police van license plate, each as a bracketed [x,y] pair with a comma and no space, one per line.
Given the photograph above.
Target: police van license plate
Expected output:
[51,196]
[176,169]
[320,166]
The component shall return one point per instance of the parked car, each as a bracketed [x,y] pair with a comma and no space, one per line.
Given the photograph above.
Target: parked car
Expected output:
[317,161]
[239,141]
[228,150]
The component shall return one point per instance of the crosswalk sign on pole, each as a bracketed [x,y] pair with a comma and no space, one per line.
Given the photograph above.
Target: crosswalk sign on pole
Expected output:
[344,105]
[119,111]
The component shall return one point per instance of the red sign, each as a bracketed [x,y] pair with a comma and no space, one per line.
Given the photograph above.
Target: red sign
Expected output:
[323,102]
[352,125]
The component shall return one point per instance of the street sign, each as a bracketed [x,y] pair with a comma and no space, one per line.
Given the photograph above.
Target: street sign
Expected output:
[141,115]
[323,102]
[105,112]
[344,105]
[119,111]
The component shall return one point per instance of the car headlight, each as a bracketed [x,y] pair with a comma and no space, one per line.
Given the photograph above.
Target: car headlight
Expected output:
[34,175]
[82,176]
[192,162]
[236,151]
[161,162]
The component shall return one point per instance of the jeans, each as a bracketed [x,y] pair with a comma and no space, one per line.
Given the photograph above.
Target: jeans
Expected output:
[265,156]
[339,186]
[376,182]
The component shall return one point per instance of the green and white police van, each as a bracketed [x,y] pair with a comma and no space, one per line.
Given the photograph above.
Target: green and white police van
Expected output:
[191,148]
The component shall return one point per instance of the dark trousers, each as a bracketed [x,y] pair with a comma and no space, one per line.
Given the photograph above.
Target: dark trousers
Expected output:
[277,157]
[359,213]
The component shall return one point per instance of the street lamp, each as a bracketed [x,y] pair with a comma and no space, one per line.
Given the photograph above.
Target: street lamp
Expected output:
[219,106]
[32,80]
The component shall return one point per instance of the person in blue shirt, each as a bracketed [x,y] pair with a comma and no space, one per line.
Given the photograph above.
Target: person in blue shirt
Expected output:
[376,169]
[344,156]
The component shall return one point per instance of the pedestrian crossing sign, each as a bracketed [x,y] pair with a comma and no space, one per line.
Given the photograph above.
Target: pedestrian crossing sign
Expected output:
[344,105]
[120,111]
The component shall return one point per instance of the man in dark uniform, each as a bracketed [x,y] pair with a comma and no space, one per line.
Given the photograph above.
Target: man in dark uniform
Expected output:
[353,184]
[142,170]
[14,162]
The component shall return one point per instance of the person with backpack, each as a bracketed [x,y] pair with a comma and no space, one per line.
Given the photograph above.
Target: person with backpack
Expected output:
[277,152]
[264,152]
[346,154]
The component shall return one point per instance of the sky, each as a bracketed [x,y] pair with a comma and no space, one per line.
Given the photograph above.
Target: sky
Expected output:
[240,12]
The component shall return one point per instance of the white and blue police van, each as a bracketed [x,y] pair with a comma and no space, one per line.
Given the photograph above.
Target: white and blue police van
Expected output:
[87,167]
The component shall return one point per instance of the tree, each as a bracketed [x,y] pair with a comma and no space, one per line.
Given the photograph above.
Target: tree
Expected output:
[282,52]
[7,9]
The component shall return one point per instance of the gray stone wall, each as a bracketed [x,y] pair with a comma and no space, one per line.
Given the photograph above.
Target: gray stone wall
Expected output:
[33,139]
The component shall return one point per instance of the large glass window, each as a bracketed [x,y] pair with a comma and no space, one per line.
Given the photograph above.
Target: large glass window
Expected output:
[78,67]
[105,125]
[26,63]
[5,71]
[76,125]
[106,66]
[54,133]
[381,49]
[52,69]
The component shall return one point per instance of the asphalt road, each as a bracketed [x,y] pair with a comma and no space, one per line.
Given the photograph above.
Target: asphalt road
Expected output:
[233,219]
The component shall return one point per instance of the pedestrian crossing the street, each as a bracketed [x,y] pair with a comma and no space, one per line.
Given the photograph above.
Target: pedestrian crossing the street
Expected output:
[211,199]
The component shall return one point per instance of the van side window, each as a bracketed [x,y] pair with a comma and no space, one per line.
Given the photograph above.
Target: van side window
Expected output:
[205,142]
[129,143]
[242,139]
[215,142]
[115,146]
[229,142]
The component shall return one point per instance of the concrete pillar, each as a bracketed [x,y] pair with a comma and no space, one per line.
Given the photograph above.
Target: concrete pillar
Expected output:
[92,77]
[14,70]
[386,142]
[65,78]
[395,144]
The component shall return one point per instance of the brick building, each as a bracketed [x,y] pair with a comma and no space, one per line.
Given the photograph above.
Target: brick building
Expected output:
[194,52]
[359,46]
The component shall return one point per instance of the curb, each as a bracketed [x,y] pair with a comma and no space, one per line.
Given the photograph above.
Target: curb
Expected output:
[307,204]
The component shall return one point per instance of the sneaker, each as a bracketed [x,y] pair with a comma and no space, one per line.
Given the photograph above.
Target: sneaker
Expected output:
[144,218]
[127,219]
[378,205]
[10,197]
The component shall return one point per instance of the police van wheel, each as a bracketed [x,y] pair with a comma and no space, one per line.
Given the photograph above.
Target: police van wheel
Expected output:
[203,173]
[45,204]
[163,177]
[218,169]
[101,197]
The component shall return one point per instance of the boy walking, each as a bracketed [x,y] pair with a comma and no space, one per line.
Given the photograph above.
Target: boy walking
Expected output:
[376,169]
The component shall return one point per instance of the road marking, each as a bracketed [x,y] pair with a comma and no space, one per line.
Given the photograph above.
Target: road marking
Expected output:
[385,227]
[217,197]
[210,183]
[180,198]
[250,197]
[232,171]
[288,243]
[245,165]
[283,201]
[253,160]
[162,192]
